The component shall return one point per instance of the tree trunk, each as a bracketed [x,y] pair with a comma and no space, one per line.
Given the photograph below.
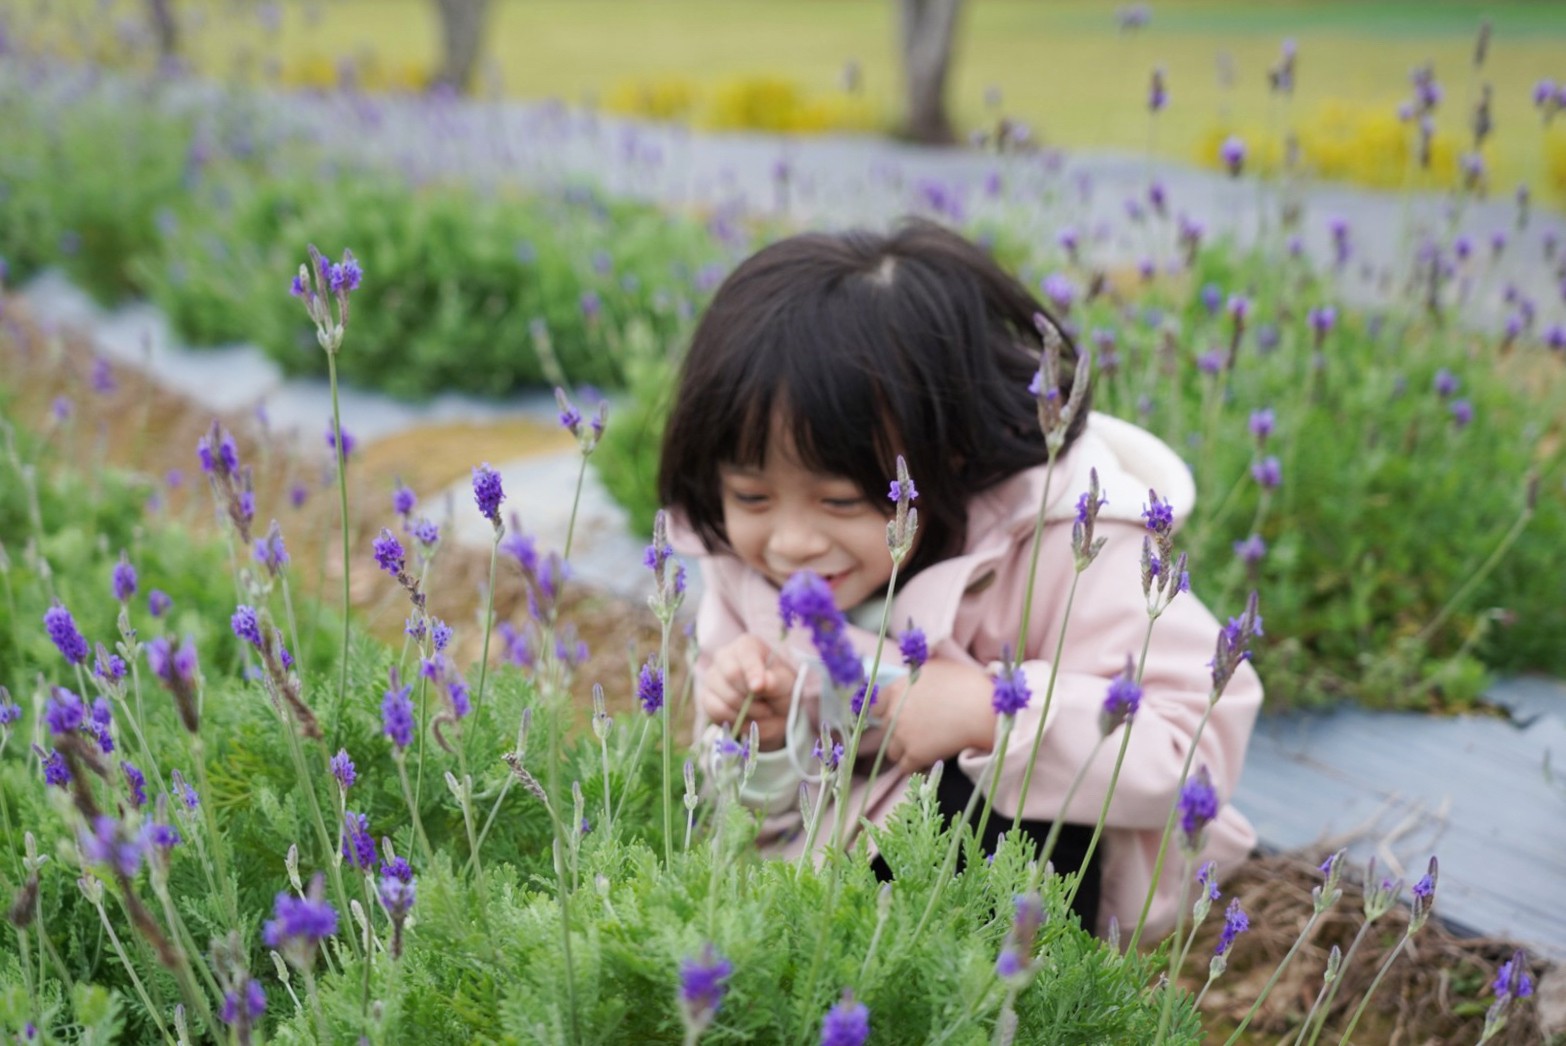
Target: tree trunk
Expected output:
[928,29]
[462,36]
[163,27]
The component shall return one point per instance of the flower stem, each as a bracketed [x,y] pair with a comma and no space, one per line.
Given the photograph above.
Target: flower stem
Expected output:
[130,968]
[413,810]
[1310,924]
[1386,964]
[342,496]
[1478,576]
[1049,697]
[489,618]
[1177,950]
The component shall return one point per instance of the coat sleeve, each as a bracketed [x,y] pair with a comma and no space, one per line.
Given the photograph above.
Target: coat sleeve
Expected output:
[1109,621]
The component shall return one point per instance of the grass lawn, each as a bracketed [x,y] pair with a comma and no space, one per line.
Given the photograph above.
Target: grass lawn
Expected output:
[1061,66]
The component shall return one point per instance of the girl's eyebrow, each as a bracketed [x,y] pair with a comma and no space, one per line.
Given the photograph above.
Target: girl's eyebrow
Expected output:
[730,469]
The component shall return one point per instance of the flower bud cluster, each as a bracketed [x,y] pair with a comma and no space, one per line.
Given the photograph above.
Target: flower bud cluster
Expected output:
[230,483]
[1056,412]
[321,283]
[904,524]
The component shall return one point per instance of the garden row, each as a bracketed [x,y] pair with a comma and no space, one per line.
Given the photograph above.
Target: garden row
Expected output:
[1390,478]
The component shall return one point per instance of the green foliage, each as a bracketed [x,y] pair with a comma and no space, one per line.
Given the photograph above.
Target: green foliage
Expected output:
[209,218]
[484,956]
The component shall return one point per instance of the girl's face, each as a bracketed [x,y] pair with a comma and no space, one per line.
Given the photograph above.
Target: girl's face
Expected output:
[782,518]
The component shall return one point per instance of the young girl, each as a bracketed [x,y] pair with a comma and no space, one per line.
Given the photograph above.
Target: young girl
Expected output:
[823,357]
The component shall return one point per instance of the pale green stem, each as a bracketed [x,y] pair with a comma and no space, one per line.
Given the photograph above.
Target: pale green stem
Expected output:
[636,761]
[603,752]
[130,968]
[576,501]
[840,799]
[342,495]
[1049,697]
[315,1003]
[489,619]
[306,784]
[293,626]
[1176,954]
[1065,804]
[219,849]
[1174,809]
[1033,560]
[1310,924]
[1103,814]
[665,742]
[1386,964]
[413,808]
[1324,997]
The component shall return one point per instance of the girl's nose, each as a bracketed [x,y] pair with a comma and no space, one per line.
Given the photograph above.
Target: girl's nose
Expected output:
[795,541]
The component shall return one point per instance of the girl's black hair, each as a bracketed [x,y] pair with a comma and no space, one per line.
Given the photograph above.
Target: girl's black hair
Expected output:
[865,346]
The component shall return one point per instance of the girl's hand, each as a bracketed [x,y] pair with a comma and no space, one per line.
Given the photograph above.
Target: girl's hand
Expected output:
[947,711]
[749,665]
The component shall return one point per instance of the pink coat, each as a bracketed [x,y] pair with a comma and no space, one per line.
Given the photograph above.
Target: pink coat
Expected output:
[969,607]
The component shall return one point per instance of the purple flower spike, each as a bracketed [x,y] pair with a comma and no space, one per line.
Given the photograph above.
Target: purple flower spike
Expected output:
[1232,154]
[1512,980]
[1158,514]
[1011,693]
[136,781]
[1123,699]
[1198,806]
[487,493]
[62,629]
[158,602]
[1462,413]
[896,493]
[64,712]
[1262,424]
[1445,383]
[389,555]
[300,924]
[913,647]
[807,599]
[397,714]
[1251,551]
[343,769]
[1207,879]
[1268,472]
[1235,922]
[846,1024]
[703,983]
[403,500]
[649,687]
[246,626]
[358,844]
[108,844]
[123,580]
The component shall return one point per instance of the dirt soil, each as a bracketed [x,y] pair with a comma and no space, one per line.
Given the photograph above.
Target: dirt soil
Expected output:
[1435,993]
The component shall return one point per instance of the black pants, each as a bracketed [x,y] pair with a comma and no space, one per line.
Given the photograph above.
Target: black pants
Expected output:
[1070,849]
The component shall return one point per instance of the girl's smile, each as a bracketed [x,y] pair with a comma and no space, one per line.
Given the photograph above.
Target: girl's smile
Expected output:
[782,518]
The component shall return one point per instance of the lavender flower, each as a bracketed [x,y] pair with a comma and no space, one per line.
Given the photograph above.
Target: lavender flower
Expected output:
[403,500]
[440,634]
[1235,922]
[107,844]
[344,276]
[358,845]
[123,579]
[649,686]
[846,1024]
[64,712]
[301,923]
[1198,806]
[1011,694]
[331,441]
[343,769]
[246,626]
[807,599]
[103,381]
[1158,514]
[396,894]
[158,602]
[244,1011]
[1445,383]
[1017,953]
[703,983]
[136,781]
[1234,641]
[55,771]
[425,532]
[270,551]
[915,651]
[1512,980]
[1207,879]
[389,555]
[161,836]
[1268,472]
[183,791]
[856,704]
[487,493]
[896,493]
[1462,413]
[397,714]
[1157,93]
[1251,551]
[62,629]
[9,712]
[1321,321]
[1122,700]
[1232,154]
[1262,424]
[522,548]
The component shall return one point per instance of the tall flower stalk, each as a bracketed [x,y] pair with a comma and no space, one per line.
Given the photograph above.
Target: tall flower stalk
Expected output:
[318,285]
